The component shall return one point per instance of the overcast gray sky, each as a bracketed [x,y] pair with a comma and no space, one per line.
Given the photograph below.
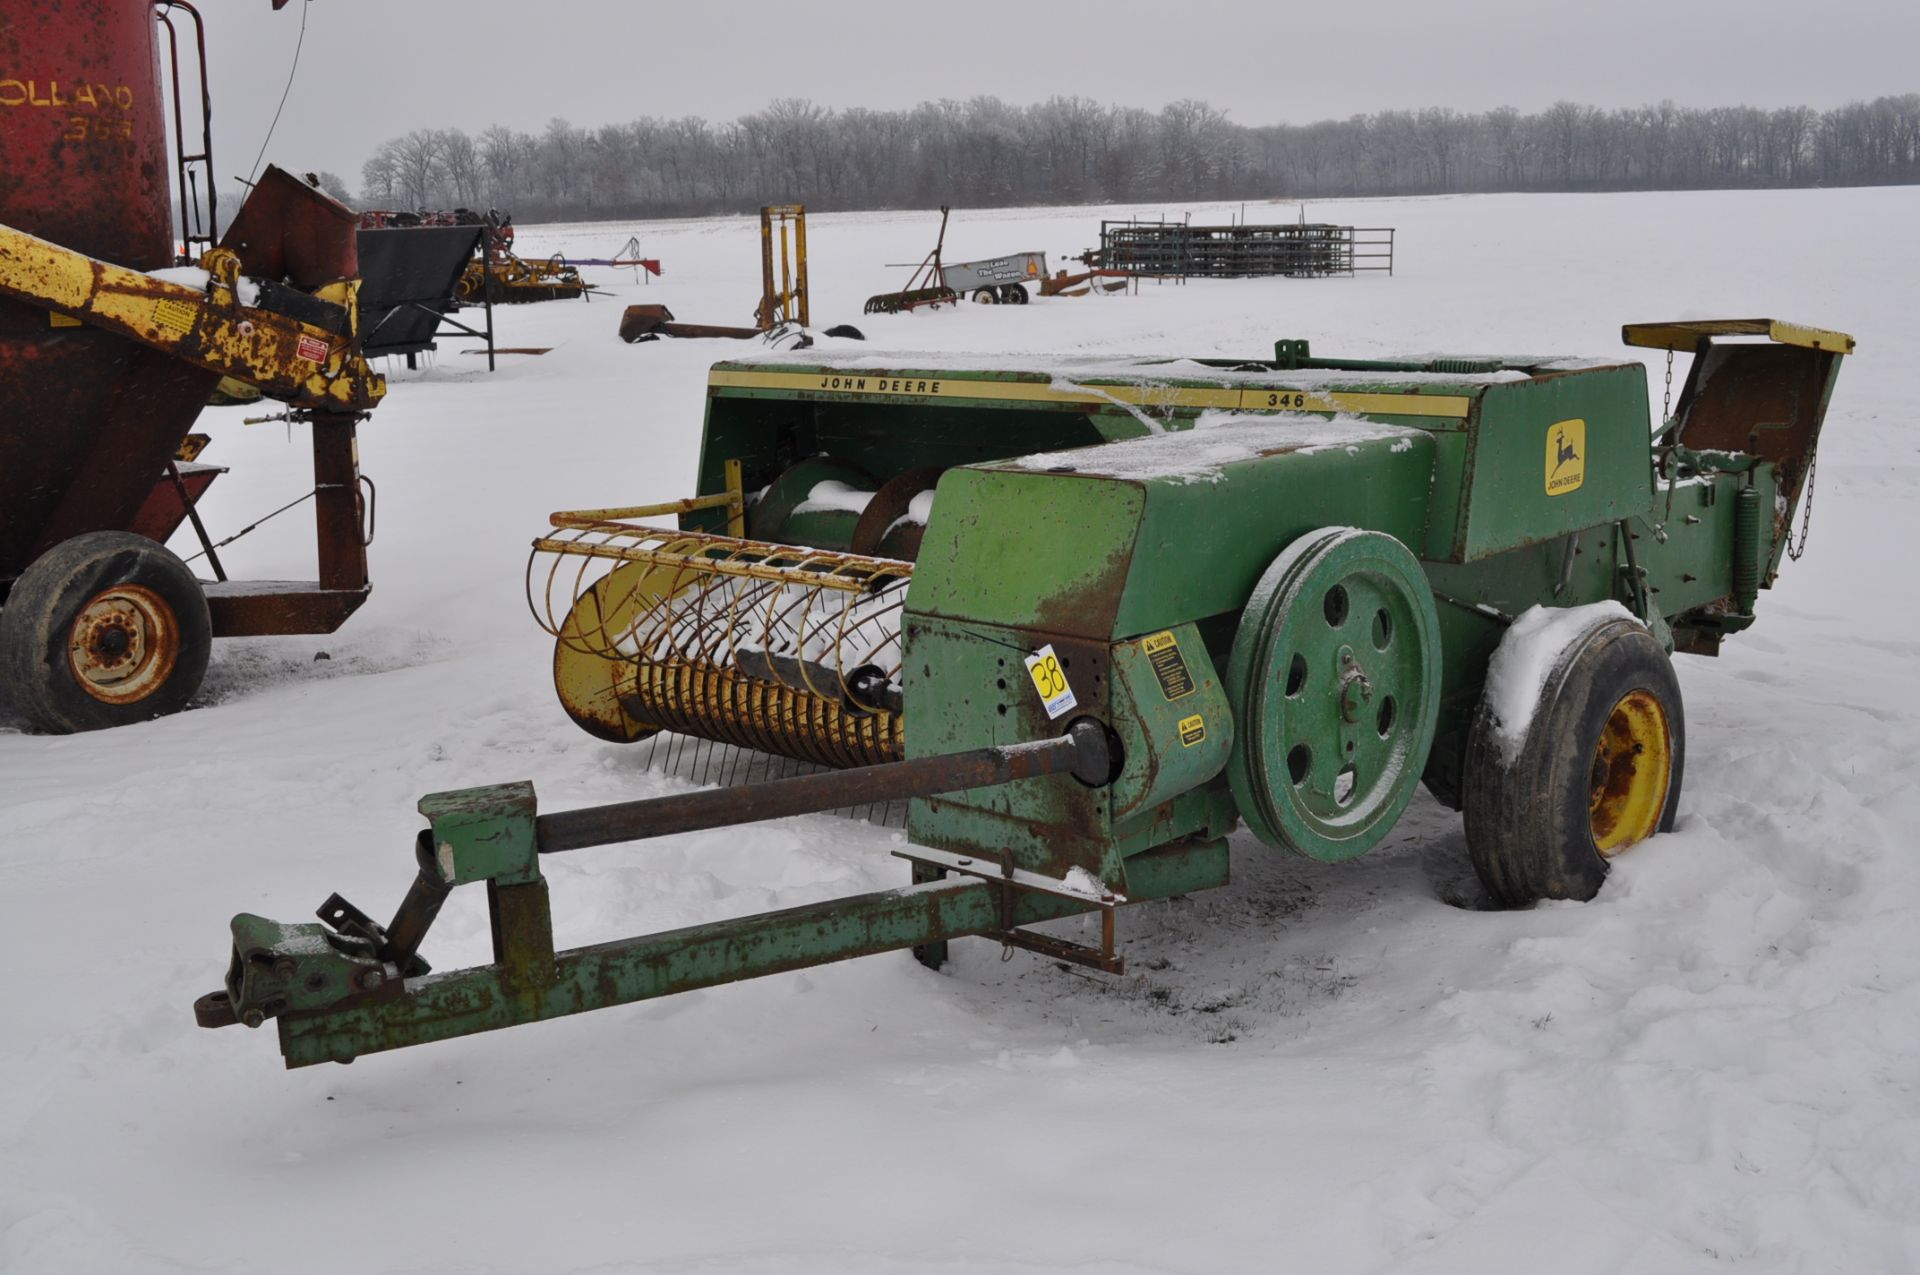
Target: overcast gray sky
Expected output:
[373,69]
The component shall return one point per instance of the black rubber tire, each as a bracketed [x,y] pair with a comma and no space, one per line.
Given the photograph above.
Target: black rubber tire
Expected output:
[38,619]
[1012,294]
[986,296]
[1527,822]
[846,330]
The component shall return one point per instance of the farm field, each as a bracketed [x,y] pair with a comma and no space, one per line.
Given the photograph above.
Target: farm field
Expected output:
[1710,1067]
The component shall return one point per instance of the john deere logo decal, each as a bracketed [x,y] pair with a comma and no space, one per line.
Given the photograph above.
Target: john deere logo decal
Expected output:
[1566,456]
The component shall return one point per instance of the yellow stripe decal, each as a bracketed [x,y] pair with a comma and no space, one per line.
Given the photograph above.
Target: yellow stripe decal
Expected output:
[1242,400]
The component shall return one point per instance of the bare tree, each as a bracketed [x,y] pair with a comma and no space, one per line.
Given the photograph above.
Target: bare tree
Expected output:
[416,160]
[380,175]
[987,151]
[460,165]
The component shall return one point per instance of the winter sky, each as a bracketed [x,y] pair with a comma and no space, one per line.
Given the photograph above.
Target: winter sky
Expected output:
[372,69]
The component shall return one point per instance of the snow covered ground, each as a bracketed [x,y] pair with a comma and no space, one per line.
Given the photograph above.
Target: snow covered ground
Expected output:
[1711,1067]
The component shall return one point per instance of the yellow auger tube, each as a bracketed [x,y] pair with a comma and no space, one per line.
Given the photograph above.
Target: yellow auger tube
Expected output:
[289,360]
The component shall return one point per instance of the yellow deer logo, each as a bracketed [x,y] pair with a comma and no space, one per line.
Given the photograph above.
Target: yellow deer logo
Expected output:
[1566,456]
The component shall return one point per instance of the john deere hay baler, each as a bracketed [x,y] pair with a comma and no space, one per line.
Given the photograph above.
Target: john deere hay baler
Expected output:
[1085,621]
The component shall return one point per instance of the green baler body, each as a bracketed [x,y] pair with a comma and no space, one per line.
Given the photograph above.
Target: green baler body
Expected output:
[1100,503]
[1120,514]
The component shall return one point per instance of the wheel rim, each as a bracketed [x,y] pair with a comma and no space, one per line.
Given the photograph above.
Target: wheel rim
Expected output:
[1632,770]
[123,644]
[1335,683]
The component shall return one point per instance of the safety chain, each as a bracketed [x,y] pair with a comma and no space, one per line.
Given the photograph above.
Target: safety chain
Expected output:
[1806,511]
[1673,470]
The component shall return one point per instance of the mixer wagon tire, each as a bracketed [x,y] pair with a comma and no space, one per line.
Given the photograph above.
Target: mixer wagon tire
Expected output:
[1598,770]
[1334,681]
[101,630]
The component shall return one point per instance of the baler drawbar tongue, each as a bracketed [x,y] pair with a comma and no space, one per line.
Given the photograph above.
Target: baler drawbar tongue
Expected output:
[350,986]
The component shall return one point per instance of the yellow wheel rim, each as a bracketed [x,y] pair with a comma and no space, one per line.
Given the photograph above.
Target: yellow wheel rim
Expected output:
[1632,771]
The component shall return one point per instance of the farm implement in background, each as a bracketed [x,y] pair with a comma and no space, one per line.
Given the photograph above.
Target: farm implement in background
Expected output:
[1303,250]
[783,309]
[112,340]
[1085,620]
[995,281]
[496,275]
[628,256]
[924,287]
[507,279]
[1093,280]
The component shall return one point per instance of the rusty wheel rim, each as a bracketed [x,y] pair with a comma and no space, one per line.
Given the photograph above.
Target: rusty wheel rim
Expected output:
[1632,770]
[123,644]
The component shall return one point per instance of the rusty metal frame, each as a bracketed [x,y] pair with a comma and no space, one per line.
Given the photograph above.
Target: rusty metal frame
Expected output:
[787,304]
[925,287]
[297,362]
[253,608]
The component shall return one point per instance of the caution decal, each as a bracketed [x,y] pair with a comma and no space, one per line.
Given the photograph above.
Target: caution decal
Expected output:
[173,316]
[1169,666]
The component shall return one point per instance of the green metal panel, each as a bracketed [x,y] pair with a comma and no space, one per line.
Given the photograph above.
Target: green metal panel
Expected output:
[1203,545]
[1144,535]
[1593,422]
[482,834]
[1170,711]
[1030,550]
[969,688]
[1447,495]
[1204,812]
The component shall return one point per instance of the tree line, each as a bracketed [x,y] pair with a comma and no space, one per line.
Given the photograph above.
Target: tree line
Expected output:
[1067,150]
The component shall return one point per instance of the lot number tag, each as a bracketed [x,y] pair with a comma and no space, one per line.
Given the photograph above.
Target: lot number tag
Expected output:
[1043,666]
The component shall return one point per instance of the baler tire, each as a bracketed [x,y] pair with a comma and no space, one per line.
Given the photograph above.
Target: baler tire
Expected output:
[136,593]
[1530,820]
